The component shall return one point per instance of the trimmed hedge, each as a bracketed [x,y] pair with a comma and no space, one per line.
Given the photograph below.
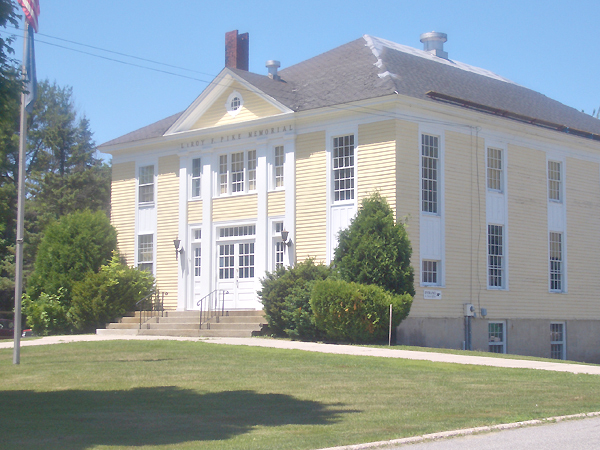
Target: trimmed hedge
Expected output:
[355,312]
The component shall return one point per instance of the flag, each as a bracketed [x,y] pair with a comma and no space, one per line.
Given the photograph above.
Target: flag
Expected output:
[31,8]
[31,79]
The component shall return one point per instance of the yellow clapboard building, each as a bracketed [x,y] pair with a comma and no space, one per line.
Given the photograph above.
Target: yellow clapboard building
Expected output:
[498,185]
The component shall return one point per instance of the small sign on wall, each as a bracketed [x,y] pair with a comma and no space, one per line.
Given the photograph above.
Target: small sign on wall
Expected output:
[430,294]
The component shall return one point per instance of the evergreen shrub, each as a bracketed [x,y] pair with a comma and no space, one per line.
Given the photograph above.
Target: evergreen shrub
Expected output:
[375,249]
[104,296]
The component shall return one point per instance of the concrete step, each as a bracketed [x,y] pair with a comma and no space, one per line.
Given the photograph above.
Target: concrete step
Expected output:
[117,332]
[122,326]
[233,326]
[238,319]
[175,320]
[235,323]
[196,333]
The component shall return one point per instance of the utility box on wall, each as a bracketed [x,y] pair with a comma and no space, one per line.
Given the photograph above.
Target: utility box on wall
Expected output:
[469,310]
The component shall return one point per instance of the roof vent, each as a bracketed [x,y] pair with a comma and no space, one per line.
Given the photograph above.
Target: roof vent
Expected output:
[273,65]
[433,42]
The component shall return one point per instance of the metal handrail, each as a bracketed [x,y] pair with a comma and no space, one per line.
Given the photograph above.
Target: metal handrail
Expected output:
[156,302]
[210,312]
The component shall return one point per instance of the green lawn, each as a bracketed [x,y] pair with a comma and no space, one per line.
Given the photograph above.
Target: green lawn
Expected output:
[194,395]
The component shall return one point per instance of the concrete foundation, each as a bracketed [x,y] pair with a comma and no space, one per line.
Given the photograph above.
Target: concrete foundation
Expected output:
[529,337]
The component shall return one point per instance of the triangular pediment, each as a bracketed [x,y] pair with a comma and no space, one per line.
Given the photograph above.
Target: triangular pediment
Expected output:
[227,100]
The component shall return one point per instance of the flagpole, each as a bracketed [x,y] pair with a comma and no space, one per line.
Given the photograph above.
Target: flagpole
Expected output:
[20,210]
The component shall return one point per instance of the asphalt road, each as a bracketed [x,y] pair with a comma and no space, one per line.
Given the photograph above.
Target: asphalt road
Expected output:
[582,434]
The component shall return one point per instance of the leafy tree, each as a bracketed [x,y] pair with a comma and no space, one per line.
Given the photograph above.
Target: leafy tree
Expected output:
[72,247]
[63,175]
[57,140]
[10,89]
[376,250]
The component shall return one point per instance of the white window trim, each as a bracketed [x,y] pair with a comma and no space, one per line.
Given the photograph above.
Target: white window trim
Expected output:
[273,168]
[234,112]
[354,167]
[564,272]
[191,177]
[137,251]
[502,189]
[217,173]
[561,191]
[440,170]
[503,343]
[503,267]
[439,277]
[154,183]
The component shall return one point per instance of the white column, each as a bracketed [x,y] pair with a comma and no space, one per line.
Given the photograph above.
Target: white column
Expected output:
[261,247]
[289,181]
[208,244]
[184,257]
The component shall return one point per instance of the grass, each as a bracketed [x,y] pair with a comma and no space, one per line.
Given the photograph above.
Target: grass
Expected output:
[194,395]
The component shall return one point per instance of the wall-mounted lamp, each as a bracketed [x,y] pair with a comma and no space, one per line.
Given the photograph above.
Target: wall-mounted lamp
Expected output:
[178,250]
[284,237]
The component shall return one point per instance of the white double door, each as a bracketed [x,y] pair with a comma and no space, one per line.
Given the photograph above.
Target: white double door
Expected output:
[235,273]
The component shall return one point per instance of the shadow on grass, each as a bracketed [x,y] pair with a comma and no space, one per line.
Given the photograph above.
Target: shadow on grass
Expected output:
[75,419]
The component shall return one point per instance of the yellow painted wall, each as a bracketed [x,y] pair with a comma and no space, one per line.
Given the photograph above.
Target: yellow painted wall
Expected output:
[235,207]
[376,161]
[407,184]
[122,198]
[311,200]
[276,203]
[527,233]
[167,208]
[583,245]
[194,214]
[254,107]
[465,224]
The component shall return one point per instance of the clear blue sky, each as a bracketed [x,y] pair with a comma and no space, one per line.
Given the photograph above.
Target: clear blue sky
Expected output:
[549,46]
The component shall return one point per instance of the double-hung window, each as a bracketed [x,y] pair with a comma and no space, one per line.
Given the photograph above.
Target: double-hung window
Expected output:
[556,263]
[279,159]
[146,184]
[278,245]
[237,172]
[252,170]
[494,169]
[223,175]
[197,233]
[430,275]
[495,256]
[343,168]
[196,177]
[146,252]
[554,181]
[429,173]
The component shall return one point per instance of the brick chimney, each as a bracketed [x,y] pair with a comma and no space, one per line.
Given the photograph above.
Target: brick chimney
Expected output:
[236,50]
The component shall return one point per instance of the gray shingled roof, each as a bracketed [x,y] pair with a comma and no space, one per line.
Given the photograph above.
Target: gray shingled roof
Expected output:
[358,71]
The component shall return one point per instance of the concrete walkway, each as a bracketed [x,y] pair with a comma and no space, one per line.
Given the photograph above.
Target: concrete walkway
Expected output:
[335,349]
